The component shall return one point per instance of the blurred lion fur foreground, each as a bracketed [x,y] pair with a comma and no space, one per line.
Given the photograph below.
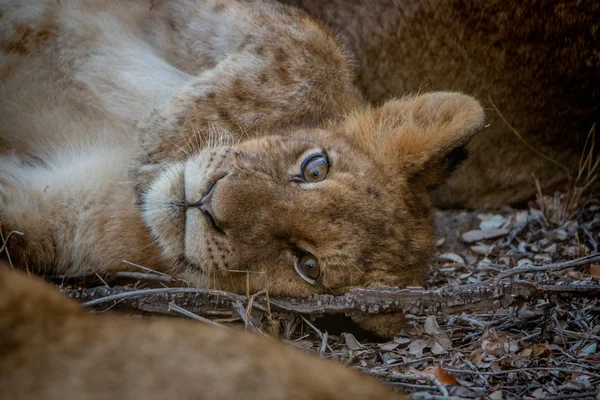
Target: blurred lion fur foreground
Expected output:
[52,349]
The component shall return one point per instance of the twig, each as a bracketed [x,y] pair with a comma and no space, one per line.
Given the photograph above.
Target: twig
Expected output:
[144,268]
[591,395]
[581,335]
[143,276]
[474,368]
[251,301]
[450,299]
[550,267]
[248,322]
[411,385]
[5,240]
[427,396]
[323,336]
[183,311]
[102,280]
[146,292]
[590,238]
[508,371]
[397,376]
[402,364]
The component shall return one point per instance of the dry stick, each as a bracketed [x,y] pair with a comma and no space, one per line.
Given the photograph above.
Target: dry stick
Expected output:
[248,322]
[144,268]
[5,240]
[142,276]
[481,297]
[427,396]
[412,386]
[146,292]
[508,371]
[251,301]
[322,335]
[402,364]
[183,311]
[591,395]
[580,335]
[550,267]
[431,379]
[248,313]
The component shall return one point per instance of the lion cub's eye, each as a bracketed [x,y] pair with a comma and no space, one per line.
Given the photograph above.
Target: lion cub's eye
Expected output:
[315,168]
[307,266]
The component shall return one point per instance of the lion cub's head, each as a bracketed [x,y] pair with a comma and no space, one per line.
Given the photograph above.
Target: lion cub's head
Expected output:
[314,210]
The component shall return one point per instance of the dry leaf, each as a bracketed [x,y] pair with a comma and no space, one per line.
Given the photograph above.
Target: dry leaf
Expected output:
[452,257]
[496,233]
[540,350]
[473,236]
[481,249]
[524,261]
[389,346]
[402,340]
[461,392]
[351,342]
[302,344]
[416,348]
[476,357]
[492,347]
[542,258]
[511,346]
[521,217]
[437,349]
[589,349]
[431,326]
[441,375]
[538,393]
[526,352]
[580,382]
[495,222]
[576,275]
[594,270]
[444,341]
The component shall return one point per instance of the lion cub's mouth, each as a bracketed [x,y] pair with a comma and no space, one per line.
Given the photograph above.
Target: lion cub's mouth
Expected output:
[205,206]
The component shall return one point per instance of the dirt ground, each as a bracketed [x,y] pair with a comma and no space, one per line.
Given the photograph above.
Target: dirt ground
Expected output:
[544,350]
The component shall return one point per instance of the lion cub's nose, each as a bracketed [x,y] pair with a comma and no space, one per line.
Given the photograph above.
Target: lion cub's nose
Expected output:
[205,206]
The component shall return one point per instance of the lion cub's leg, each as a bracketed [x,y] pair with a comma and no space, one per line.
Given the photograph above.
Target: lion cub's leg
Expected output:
[76,213]
[271,66]
[21,210]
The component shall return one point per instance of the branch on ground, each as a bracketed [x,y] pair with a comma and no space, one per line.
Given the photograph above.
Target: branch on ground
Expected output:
[482,297]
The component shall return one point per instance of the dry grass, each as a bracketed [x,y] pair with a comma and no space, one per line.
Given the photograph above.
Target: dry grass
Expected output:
[562,207]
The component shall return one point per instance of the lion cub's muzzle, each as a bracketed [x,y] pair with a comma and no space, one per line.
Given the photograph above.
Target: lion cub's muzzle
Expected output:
[205,207]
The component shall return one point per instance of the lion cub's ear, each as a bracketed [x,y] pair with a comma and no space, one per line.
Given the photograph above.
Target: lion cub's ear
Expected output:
[422,136]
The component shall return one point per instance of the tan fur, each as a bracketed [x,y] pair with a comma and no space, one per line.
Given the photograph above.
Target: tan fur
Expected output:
[117,118]
[537,61]
[52,349]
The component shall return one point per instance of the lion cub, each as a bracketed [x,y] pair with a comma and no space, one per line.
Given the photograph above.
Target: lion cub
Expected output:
[51,349]
[223,141]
